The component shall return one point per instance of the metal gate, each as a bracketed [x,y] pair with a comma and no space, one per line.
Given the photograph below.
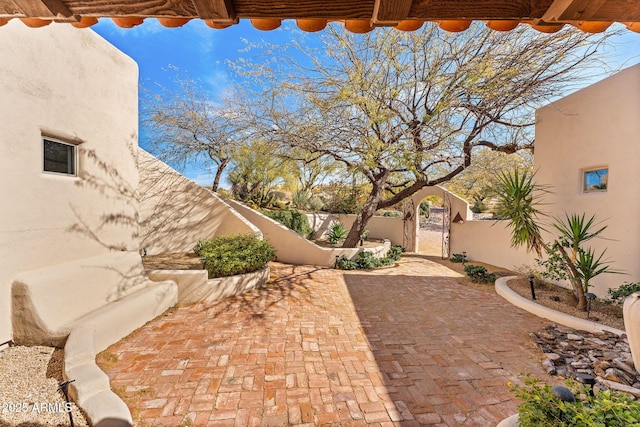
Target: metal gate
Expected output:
[446,225]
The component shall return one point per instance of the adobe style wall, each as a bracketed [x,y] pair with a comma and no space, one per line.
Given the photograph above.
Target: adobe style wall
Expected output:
[596,127]
[72,85]
[175,212]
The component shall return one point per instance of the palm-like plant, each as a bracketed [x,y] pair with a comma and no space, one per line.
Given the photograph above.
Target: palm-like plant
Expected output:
[518,197]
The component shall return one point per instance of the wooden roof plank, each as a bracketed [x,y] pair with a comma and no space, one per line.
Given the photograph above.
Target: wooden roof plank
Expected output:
[390,12]
[216,10]
[572,10]
[43,8]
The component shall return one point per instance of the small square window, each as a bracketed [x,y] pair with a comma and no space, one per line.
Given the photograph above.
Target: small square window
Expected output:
[59,157]
[595,180]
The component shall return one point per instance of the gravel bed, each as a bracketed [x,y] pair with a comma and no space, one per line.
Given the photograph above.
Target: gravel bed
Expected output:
[29,395]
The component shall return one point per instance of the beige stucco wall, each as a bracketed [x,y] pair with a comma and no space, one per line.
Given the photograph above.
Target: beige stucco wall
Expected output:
[175,212]
[379,227]
[595,127]
[71,84]
[489,242]
[598,126]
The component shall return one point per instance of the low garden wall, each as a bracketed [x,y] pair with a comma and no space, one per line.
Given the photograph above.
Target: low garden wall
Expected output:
[194,286]
[379,227]
[295,249]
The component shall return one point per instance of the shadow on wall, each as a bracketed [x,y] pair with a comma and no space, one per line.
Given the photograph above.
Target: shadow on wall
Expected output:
[175,212]
[107,189]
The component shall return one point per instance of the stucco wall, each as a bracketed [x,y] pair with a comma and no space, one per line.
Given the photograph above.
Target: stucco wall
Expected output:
[70,84]
[489,241]
[175,212]
[595,127]
[379,227]
[598,126]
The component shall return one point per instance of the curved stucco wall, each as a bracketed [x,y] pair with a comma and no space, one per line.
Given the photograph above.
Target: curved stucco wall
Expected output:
[175,212]
[73,85]
[295,249]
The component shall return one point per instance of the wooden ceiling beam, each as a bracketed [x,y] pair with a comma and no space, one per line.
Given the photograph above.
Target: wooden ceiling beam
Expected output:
[220,11]
[390,12]
[572,10]
[43,8]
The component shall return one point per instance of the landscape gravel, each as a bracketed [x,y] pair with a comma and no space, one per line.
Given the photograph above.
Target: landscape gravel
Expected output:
[29,392]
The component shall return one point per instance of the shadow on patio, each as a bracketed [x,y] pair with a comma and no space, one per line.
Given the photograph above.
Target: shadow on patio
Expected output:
[405,345]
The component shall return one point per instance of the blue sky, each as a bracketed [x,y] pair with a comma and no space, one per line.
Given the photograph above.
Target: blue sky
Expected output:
[203,52]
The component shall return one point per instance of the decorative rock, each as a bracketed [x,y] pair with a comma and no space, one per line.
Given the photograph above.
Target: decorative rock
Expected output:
[553,357]
[563,393]
[570,353]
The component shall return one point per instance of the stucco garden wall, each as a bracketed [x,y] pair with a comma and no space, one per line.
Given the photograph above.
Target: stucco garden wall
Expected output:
[52,82]
[489,241]
[379,227]
[597,127]
[175,212]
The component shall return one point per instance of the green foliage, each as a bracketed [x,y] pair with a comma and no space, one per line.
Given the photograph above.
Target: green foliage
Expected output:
[618,295]
[337,233]
[477,273]
[424,208]
[366,260]
[540,407]
[292,219]
[237,254]
[391,214]
[517,199]
[457,258]
[478,205]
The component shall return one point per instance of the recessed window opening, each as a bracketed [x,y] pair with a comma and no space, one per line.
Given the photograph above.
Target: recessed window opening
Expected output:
[59,157]
[595,180]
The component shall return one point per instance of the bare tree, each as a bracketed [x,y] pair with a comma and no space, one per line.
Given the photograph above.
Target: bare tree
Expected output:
[186,126]
[408,110]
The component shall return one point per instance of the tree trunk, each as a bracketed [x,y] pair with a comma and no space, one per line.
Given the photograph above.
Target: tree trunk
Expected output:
[216,180]
[365,214]
[574,278]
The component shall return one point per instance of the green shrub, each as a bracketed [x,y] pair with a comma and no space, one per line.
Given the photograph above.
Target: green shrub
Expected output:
[425,208]
[618,295]
[540,407]
[230,255]
[457,258]
[477,273]
[337,233]
[292,219]
[366,260]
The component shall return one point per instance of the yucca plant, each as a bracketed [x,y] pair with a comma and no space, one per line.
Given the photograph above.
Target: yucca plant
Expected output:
[518,198]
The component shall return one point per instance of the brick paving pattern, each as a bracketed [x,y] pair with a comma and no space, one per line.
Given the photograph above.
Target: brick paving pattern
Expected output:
[401,346]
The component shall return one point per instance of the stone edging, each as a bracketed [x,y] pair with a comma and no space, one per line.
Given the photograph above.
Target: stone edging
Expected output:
[514,298]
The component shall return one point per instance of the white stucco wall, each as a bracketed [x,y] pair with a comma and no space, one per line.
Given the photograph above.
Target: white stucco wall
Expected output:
[70,84]
[379,227]
[175,212]
[598,126]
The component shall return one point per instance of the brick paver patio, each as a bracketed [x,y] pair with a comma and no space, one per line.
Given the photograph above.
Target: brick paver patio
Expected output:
[403,346]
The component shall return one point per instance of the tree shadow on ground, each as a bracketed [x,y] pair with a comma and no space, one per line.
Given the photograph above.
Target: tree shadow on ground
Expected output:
[286,282]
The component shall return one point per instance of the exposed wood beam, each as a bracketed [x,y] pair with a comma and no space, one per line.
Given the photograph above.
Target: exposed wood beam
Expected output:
[216,10]
[390,12]
[43,8]
[572,10]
